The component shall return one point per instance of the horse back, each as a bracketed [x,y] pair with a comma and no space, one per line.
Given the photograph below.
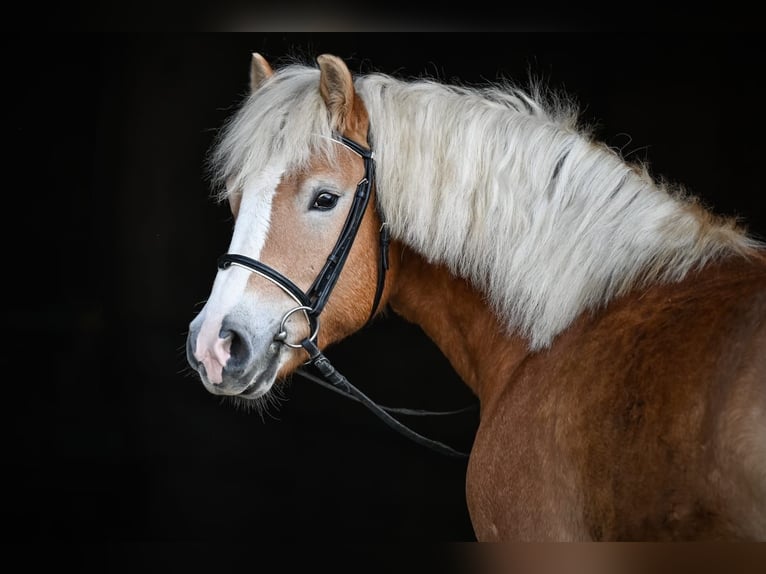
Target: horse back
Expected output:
[646,420]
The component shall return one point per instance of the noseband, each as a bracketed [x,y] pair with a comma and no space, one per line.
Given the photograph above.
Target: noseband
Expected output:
[313,301]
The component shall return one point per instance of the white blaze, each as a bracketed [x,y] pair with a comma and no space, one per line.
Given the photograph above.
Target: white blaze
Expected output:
[248,239]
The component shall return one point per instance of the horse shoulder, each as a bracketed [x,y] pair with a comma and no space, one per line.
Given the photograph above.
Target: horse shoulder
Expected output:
[644,420]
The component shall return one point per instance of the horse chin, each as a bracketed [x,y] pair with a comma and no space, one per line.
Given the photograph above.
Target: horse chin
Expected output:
[261,381]
[254,385]
[256,389]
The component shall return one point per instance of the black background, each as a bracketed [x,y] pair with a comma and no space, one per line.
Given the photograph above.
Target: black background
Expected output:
[110,242]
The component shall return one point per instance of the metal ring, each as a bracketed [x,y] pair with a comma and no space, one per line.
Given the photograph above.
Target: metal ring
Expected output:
[282,335]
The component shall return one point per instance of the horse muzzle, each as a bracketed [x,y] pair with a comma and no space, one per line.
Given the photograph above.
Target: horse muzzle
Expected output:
[234,361]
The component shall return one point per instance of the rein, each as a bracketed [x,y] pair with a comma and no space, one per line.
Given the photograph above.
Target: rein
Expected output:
[312,302]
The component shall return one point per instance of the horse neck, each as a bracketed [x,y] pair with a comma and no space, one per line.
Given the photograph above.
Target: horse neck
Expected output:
[457,319]
[551,221]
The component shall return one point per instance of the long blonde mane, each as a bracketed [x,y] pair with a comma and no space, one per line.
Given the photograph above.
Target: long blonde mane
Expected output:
[499,184]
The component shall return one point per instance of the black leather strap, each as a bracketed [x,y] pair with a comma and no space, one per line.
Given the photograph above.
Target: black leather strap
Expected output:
[227,259]
[385,240]
[340,383]
[319,292]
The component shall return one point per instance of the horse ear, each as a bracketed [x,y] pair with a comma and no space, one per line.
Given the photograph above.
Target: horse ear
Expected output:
[260,71]
[337,88]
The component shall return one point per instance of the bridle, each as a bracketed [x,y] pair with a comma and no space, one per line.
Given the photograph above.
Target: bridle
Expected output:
[312,302]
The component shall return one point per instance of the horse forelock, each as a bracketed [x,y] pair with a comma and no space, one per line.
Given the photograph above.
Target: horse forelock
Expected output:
[284,123]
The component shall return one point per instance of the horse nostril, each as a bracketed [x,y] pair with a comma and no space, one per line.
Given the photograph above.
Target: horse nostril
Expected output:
[236,346]
[239,351]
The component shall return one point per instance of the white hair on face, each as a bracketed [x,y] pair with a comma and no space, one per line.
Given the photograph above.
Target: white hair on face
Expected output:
[249,235]
[248,239]
[500,185]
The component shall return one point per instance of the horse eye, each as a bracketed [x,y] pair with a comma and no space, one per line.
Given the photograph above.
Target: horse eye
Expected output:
[325,201]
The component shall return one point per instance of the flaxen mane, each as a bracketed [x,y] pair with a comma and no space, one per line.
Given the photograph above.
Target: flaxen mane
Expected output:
[500,184]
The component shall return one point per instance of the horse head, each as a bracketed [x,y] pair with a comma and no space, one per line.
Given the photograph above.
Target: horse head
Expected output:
[286,279]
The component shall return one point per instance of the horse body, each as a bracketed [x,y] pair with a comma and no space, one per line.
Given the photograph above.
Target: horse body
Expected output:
[614,333]
[644,421]
[631,420]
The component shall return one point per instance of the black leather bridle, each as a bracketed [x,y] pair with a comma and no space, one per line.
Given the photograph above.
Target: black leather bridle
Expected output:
[313,301]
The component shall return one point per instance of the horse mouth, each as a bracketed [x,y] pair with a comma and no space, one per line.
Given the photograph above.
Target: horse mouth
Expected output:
[256,389]
[260,380]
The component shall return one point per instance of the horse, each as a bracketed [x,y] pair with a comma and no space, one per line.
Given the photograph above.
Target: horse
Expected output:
[611,327]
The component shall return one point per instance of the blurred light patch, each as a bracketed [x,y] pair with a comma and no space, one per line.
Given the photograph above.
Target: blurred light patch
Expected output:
[344,17]
[609,558]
